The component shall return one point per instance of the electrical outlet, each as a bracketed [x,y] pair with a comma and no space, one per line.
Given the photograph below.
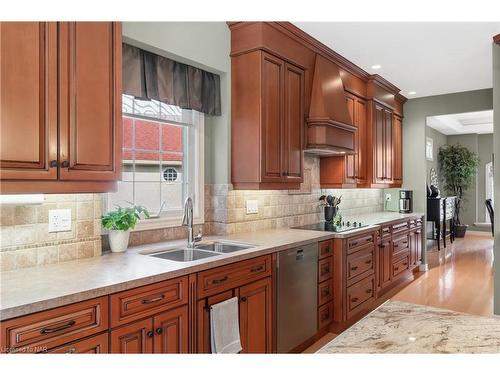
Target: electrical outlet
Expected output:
[252,206]
[60,220]
[388,197]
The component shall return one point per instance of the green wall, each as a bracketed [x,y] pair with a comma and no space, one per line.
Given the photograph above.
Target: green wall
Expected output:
[485,153]
[205,45]
[439,139]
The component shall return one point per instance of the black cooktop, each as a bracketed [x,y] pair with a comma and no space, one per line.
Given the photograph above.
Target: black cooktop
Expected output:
[330,227]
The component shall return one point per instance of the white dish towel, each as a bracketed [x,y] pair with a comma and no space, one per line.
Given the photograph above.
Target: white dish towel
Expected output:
[225,327]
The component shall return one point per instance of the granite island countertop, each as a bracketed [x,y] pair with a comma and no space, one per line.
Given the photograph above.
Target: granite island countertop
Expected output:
[401,327]
[30,290]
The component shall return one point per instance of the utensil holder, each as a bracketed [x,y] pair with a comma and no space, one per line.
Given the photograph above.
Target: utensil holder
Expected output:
[330,213]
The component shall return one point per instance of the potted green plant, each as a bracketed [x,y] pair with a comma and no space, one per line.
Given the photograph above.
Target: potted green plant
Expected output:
[119,223]
[458,165]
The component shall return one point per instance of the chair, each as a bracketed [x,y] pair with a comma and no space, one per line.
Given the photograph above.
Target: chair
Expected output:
[489,207]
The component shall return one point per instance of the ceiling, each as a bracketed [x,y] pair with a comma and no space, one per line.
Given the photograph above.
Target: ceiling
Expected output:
[463,123]
[425,57]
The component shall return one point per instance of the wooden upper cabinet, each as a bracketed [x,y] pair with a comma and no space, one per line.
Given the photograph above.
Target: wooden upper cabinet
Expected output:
[60,106]
[267,122]
[293,123]
[272,118]
[28,100]
[379,144]
[90,100]
[388,157]
[397,149]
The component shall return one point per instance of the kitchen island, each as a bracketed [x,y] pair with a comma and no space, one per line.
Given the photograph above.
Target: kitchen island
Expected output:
[400,327]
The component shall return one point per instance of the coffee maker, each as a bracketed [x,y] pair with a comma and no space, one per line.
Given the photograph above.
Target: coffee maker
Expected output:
[405,201]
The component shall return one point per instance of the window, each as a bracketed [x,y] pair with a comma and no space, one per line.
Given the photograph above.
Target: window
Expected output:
[162,161]
[170,174]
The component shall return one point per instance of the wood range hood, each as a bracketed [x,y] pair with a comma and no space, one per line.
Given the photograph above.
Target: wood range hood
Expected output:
[330,129]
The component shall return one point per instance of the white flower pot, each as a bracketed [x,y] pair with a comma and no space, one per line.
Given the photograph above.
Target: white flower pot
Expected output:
[118,240]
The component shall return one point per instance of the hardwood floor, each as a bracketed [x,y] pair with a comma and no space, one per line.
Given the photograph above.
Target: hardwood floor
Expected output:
[460,277]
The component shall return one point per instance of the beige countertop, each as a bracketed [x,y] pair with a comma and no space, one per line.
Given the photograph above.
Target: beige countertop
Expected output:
[35,289]
[400,327]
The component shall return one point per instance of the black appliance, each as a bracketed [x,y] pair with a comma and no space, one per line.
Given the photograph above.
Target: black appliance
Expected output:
[406,201]
[326,226]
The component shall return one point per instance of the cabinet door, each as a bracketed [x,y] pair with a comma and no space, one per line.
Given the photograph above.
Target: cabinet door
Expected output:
[171,331]
[92,345]
[90,100]
[293,123]
[360,160]
[203,315]
[388,162]
[397,149]
[28,100]
[379,142]
[350,160]
[133,338]
[272,118]
[385,264]
[256,316]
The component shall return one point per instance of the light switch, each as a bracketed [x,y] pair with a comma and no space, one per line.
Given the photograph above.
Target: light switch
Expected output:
[60,220]
[252,206]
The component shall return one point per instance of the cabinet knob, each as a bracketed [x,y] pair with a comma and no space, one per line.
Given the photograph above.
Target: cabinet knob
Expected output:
[159,330]
[53,163]
[150,333]
[243,299]
[65,164]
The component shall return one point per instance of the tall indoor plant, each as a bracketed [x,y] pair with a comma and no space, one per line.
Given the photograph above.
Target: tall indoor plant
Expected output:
[119,223]
[458,165]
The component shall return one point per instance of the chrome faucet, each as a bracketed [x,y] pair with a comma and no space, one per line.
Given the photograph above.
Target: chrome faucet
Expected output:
[188,220]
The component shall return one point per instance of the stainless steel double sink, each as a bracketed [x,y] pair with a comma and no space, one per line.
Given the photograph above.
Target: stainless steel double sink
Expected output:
[201,251]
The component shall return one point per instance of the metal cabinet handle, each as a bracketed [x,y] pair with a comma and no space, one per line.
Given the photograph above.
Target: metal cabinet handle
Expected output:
[221,280]
[159,330]
[325,292]
[354,243]
[257,269]
[355,299]
[354,268]
[368,291]
[325,316]
[53,163]
[243,299]
[150,333]
[65,164]
[368,261]
[46,331]
[148,301]
[70,350]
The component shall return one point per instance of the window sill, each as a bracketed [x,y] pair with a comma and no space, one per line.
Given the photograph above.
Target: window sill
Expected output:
[162,223]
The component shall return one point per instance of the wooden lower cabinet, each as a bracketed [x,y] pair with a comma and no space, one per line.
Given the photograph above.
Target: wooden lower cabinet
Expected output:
[163,333]
[171,331]
[92,345]
[134,338]
[385,263]
[255,316]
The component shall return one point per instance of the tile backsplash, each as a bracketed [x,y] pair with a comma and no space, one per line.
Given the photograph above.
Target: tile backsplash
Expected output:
[225,209]
[25,240]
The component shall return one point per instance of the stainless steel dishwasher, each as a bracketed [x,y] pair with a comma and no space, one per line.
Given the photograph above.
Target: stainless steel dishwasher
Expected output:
[297,305]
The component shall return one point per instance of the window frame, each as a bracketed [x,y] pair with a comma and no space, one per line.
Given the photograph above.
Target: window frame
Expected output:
[194,176]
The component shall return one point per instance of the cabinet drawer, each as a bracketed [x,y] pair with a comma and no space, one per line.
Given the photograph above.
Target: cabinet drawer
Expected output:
[360,295]
[233,275]
[325,249]
[325,315]
[361,263]
[401,265]
[400,227]
[401,245]
[325,292]
[144,301]
[356,243]
[92,345]
[325,269]
[385,231]
[48,329]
